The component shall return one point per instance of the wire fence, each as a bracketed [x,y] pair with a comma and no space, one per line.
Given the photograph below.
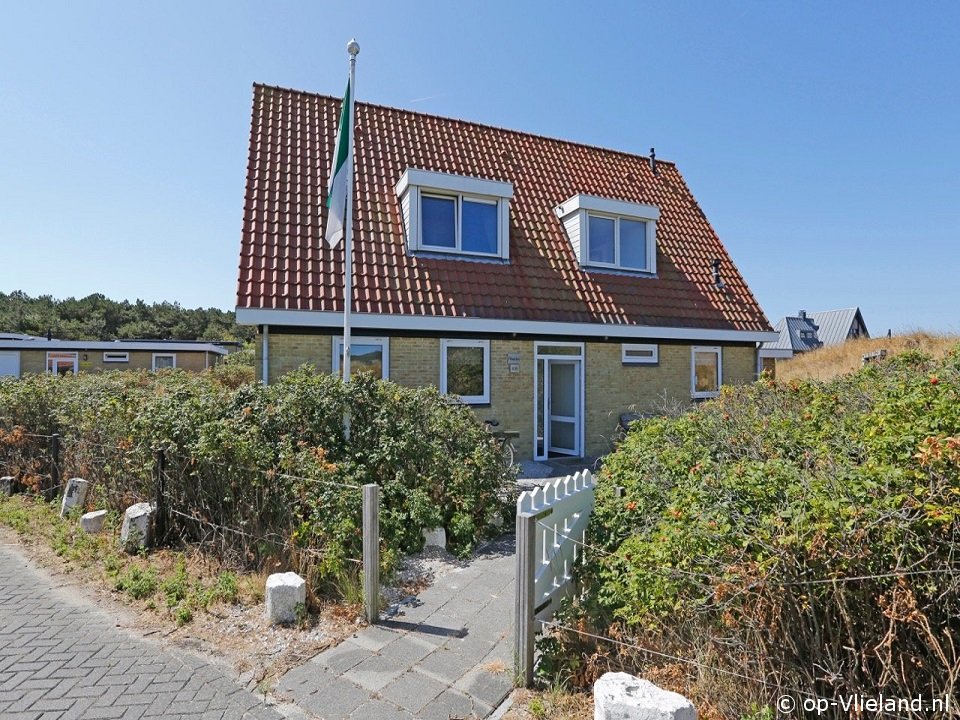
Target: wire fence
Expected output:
[768,627]
[240,513]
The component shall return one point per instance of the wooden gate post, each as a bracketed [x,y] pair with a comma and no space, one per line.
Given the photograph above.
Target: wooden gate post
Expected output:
[525,622]
[56,476]
[160,522]
[371,552]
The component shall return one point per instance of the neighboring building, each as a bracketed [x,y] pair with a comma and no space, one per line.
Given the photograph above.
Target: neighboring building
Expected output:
[837,326]
[552,285]
[807,332]
[21,354]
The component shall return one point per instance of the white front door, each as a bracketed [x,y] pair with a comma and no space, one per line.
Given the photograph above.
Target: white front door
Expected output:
[563,406]
[10,363]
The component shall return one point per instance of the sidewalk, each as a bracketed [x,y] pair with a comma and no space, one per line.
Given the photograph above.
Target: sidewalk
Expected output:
[63,658]
[448,655]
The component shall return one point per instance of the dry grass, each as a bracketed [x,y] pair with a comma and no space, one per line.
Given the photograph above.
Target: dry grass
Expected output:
[828,362]
[555,704]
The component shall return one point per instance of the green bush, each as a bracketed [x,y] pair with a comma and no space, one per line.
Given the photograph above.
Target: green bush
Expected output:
[785,538]
[266,473]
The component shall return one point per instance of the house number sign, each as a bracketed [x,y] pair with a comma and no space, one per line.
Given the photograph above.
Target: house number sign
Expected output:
[513,362]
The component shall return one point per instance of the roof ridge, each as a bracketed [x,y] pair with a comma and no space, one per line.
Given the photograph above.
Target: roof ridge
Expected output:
[473,123]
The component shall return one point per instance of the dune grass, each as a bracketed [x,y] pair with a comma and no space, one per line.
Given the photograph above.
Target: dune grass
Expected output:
[829,362]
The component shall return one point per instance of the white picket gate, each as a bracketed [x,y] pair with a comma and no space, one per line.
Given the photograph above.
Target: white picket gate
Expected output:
[551,529]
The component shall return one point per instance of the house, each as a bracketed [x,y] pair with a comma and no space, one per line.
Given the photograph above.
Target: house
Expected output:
[837,326]
[807,332]
[551,285]
[21,354]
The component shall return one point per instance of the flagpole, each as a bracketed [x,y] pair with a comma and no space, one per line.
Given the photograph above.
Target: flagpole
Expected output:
[353,48]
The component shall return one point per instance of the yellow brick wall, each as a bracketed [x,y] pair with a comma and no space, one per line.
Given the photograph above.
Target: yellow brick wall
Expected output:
[35,361]
[739,365]
[288,352]
[415,362]
[611,388]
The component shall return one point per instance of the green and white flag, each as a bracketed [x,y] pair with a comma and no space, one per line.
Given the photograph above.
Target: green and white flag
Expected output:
[340,173]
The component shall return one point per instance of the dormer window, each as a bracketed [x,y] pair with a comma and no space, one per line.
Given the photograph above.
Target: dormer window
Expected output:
[611,234]
[455,214]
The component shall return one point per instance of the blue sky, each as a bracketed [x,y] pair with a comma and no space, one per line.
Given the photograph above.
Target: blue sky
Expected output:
[822,139]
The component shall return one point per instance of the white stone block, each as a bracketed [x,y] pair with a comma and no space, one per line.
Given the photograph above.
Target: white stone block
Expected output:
[75,495]
[285,591]
[437,537]
[135,530]
[92,522]
[619,696]
[6,485]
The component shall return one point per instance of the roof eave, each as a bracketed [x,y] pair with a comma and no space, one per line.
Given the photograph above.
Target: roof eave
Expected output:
[434,324]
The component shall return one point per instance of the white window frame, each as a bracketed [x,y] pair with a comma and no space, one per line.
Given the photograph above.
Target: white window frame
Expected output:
[415,183]
[483,399]
[383,342]
[74,353]
[458,199]
[617,263]
[153,360]
[116,357]
[575,214]
[718,351]
[627,359]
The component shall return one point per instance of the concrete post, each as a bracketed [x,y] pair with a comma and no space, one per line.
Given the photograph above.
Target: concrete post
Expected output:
[371,552]
[526,629]
[75,495]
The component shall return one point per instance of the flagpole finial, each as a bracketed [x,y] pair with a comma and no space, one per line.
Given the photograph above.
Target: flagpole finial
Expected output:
[353,47]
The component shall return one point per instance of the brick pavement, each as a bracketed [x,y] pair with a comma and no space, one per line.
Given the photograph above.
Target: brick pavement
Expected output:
[450,655]
[62,658]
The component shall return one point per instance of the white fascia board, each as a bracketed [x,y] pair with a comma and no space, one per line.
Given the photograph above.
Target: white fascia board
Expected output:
[428,179]
[426,323]
[779,353]
[108,346]
[608,206]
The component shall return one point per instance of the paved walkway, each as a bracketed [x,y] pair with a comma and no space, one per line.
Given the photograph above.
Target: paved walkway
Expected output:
[448,656]
[62,658]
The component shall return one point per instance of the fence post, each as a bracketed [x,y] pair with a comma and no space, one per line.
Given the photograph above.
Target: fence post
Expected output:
[371,552]
[55,475]
[160,491]
[525,621]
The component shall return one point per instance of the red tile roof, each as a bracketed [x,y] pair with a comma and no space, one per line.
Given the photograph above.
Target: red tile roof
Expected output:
[285,264]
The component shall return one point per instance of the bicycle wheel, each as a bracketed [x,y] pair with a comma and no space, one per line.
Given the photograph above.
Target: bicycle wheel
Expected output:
[507,454]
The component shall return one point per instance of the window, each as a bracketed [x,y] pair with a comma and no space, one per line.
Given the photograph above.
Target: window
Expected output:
[164,361]
[116,357]
[455,214]
[706,372]
[458,223]
[618,242]
[639,354]
[367,354]
[611,233]
[62,363]
[465,370]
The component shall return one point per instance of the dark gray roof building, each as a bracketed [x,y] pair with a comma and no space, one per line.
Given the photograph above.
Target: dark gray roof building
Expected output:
[807,332]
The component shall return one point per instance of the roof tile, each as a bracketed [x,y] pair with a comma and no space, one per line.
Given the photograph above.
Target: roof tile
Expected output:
[284,262]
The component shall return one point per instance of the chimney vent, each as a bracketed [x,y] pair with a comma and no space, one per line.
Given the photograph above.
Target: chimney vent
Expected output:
[717,280]
[803,314]
[653,161]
